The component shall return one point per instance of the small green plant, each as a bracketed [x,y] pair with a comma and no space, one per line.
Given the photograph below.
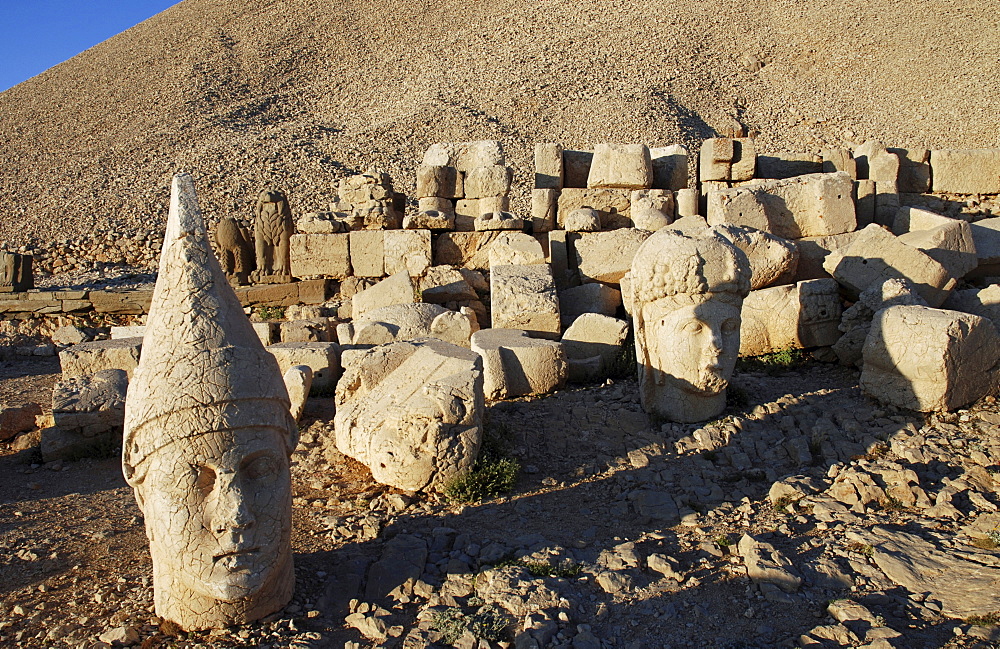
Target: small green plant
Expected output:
[986,543]
[774,363]
[723,541]
[487,622]
[781,504]
[892,504]
[564,570]
[271,312]
[494,473]
[861,548]
[990,619]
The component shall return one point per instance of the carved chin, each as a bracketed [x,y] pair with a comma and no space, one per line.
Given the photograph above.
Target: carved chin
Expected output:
[711,382]
[233,585]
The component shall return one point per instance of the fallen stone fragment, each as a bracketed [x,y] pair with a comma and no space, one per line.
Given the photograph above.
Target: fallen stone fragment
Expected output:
[89,358]
[594,344]
[412,412]
[397,289]
[773,260]
[802,315]
[516,249]
[441,284]
[625,166]
[606,256]
[765,564]
[21,419]
[516,364]
[408,322]
[323,358]
[857,320]
[524,297]
[298,382]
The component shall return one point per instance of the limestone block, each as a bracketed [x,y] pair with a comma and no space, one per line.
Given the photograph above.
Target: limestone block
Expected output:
[950,244]
[516,249]
[584,219]
[797,316]
[863,155]
[687,202]
[134,331]
[395,289]
[965,171]
[788,165]
[652,209]
[20,419]
[986,238]
[560,255]
[857,320]
[92,406]
[466,212]
[864,202]
[911,219]
[71,335]
[267,332]
[626,166]
[983,302]
[465,156]
[670,167]
[576,168]
[883,167]
[715,159]
[320,255]
[323,358]
[484,182]
[886,202]
[440,284]
[412,413]
[588,298]
[497,222]
[410,322]
[495,207]
[594,344]
[408,250]
[298,381]
[914,170]
[367,253]
[524,297]
[744,164]
[612,204]
[430,220]
[514,364]
[773,260]
[313,330]
[441,181]
[839,160]
[606,256]
[875,255]
[90,358]
[465,249]
[806,206]
[543,209]
[928,359]
[548,166]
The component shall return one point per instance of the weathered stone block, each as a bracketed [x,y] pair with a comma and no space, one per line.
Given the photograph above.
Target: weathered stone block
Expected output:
[773,260]
[441,181]
[465,249]
[670,167]
[271,295]
[983,302]
[588,298]
[839,160]
[441,284]
[412,413]
[315,330]
[323,358]
[576,168]
[594,345]
[986,238]
[687,201]
[813,251]
[626,166]
[367,253]
[606,256]
[134,331]
[395,289]
[93,405]
[801,315]
[408,250]
[950,244]
[744,164]
[612,204]
[584,219]
[121,302]
[514,364]
[544,204]
[560,258]
[966,171]
[914,170]
[320,255]
[782,165]
[465,156]
[548,166]
[516,249]
[408,322]
[807,206]
[90,358]
[864,202]
[876,255]
[467,210]
[486,182]
[715,159]
[430,219]
[930,359]
[524,297]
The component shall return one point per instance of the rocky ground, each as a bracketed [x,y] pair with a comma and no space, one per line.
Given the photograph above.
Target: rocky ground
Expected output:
[807,516]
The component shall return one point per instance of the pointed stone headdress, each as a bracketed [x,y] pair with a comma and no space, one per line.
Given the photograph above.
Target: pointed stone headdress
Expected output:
[202,367]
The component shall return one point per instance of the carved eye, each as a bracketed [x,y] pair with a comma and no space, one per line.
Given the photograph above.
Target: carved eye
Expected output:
[693,327]
[730,326]
[262,466]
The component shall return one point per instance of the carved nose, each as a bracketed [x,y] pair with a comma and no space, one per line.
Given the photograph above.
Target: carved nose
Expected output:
[232,511]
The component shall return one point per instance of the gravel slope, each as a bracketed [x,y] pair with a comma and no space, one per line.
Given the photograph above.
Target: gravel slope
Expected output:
[299,92]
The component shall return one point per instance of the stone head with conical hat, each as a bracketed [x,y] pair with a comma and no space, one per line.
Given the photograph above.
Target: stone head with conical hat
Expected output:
[208,435]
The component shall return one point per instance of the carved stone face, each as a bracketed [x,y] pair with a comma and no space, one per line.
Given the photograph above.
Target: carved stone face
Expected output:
[693,345]
[218,511]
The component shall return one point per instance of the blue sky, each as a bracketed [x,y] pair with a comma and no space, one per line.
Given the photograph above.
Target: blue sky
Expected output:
[38,34]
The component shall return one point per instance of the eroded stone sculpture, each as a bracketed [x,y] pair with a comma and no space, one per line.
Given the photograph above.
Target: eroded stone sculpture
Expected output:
[208,435]
[15,272]
[235,251]
[687,292]
[272,229]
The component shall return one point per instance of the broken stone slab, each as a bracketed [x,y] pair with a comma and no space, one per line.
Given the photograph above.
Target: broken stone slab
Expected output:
[804,206]
[132,331]
[914,170]
[773,260]
[402,322]
[323,358]
[412,412]
[89,358]
[983,302]
[950,244]
[307,330]
[613,205]
[19,419]
[670,167]
[765,564]
[516,249]
[588,298]
[875,255]
[928,359]
[439,180]
[464,249]
[798,316]
[70,335]
[964,585]
[965,171]
[92,406]
[857,320]
[320,255]
[408,250]
[584,219]
[298,381]
[594,345]
[606,256]
[544,204]
[814,250]
[440,284]
[465,156]
[621,166]
[486,182]
[548,166]
[788,164]
[524,297]
[515,364]
[430,219]
[367,253]
[397,289]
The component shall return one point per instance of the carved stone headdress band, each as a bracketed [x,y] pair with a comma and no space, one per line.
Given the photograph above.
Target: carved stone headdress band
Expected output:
[671,263]
[202,367]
